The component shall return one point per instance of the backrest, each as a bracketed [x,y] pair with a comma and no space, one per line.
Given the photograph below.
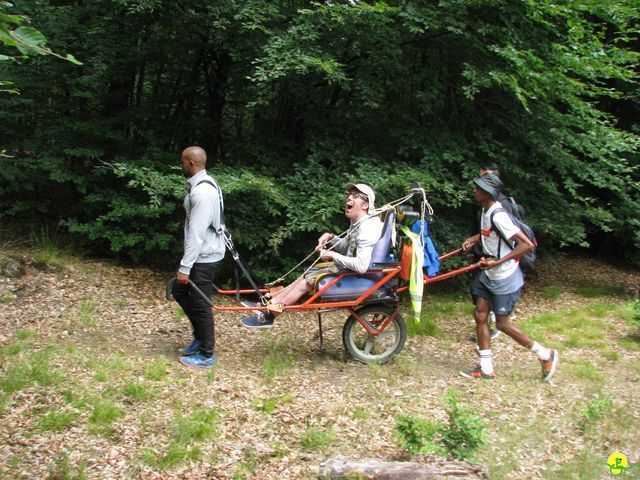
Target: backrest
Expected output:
[381,248]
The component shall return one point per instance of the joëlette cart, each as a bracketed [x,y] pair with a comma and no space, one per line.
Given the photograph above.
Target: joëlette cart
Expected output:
[374,331]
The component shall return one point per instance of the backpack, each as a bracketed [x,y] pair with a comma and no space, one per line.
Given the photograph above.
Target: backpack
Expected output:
[512,207]
[528,260]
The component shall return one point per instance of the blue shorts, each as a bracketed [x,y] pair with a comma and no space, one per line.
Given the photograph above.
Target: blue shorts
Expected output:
[499,304]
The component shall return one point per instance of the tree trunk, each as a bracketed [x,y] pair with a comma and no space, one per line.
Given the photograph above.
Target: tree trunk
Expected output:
[374,469]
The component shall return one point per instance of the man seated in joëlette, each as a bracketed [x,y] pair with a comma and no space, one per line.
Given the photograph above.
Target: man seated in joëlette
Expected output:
[353,252]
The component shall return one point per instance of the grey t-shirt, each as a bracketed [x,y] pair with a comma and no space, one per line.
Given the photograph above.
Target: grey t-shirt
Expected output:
[356,248]
[503,286]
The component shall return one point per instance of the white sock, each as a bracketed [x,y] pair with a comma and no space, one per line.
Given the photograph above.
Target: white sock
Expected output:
[485,361]
[540,351]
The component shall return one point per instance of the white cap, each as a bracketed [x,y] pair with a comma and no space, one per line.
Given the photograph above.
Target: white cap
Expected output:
[366,189]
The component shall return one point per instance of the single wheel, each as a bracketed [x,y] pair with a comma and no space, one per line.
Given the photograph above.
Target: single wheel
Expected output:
[367,347]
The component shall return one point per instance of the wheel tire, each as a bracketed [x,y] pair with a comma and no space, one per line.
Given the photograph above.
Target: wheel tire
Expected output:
[367,348]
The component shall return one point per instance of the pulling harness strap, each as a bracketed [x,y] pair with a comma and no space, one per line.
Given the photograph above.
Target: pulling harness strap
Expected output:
[222,230]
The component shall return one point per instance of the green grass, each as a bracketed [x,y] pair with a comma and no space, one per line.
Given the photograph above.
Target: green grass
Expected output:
[211,374]
[11,349]
[35,369]
[361,413]
[111,367]
[585,370]
[25,334]
[7,297]
[247,467]
[53,248]
[633,307]
[76,400]
[631,342]
[595,291]
[268,405]
[278,359]
[179,313]
[426,328]
[610,355]
[87,313]
[138,391]
[551,292]
[594,412]
[584,465]
[4,401]
[437,307]
[199,425]
[584,327]
[56,420]
[62,469]
[404,366]
[317,439]
[176,454]
[104,413]
[377,369]
[156,370]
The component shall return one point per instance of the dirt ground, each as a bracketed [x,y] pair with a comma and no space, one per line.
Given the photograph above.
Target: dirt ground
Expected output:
[534,429]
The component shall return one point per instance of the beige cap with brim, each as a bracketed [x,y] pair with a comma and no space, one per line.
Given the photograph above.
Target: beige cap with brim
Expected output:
[367,190]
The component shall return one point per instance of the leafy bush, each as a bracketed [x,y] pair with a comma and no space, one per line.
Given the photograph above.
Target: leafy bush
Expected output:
[464,434]
[418,435]
[290,107]
[459,438]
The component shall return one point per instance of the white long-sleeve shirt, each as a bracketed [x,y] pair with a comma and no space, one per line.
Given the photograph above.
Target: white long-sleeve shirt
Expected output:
[202,242]
[355,249]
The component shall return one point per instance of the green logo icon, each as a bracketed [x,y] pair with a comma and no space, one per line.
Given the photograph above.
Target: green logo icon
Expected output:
[618,464]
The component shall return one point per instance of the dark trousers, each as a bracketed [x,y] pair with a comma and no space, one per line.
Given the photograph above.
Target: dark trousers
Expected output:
[197,309]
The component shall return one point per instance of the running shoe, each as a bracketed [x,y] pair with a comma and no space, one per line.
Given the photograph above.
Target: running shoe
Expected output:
[477,373]
[198,360]
[192,349]
[550,366]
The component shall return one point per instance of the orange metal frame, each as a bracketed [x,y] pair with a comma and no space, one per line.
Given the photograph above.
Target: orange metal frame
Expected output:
[311,304]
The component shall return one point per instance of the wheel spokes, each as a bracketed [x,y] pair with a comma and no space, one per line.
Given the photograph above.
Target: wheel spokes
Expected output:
[389,332]
[377,345]
[367,348]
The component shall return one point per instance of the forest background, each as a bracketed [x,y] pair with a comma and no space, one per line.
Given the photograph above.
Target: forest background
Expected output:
[294,99]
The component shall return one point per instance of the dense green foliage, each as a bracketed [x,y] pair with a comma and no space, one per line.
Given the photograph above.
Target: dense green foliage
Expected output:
[293,99]
[16,34]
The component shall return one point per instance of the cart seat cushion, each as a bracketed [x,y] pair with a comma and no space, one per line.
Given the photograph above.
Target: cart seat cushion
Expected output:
[353,286]
[382,248]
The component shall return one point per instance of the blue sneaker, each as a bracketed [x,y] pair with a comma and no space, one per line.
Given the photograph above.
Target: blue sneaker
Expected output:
[198,360]
[260,320]
[192,349]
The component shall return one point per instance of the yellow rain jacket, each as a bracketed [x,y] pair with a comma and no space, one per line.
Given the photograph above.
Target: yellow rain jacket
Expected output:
[416,281]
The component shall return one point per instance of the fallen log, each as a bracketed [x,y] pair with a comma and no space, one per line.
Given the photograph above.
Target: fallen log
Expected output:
[375,469]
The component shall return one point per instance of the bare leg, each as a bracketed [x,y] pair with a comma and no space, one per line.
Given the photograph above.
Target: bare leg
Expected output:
[481,316]
[292,292]
[503,324]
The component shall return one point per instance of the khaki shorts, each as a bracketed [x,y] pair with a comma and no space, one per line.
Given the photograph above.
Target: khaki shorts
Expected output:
[320,269]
